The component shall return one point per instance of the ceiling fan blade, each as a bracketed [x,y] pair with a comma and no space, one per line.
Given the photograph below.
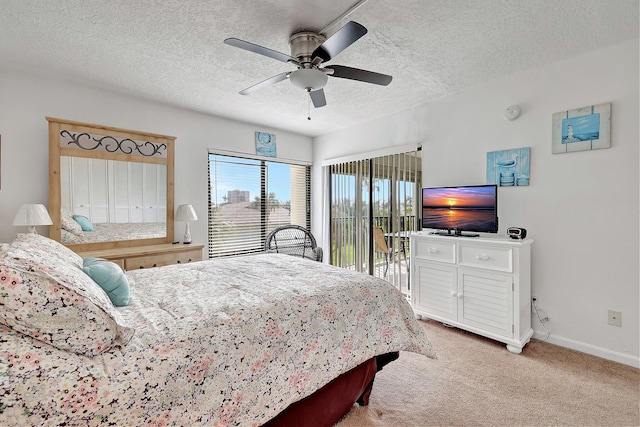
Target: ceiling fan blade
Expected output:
[251,47]
[266,83]
[342,39]
[343,72]
[318,98]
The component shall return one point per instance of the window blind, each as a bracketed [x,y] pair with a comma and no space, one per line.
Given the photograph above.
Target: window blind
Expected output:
[249,197]
[374,203]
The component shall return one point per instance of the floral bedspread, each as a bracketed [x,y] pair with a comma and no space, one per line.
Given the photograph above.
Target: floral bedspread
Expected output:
[217,343]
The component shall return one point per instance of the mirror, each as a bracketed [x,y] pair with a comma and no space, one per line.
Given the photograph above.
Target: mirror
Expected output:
[109,187]
[122,200]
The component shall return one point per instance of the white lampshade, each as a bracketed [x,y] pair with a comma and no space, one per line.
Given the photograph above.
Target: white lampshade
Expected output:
[186,213]
[32,215]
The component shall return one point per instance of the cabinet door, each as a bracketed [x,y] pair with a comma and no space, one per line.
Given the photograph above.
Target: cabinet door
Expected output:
[486,301]
[121,178]
[150,193]
[89,191]
[136,189]
[434,289]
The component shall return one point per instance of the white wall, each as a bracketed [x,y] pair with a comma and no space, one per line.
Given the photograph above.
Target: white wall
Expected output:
[25,100]
[580,208]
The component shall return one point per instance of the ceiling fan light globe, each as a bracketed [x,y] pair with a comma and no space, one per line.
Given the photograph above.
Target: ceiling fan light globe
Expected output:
[308,79]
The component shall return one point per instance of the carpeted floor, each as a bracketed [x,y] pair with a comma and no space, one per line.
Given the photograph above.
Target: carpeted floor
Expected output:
[477,382]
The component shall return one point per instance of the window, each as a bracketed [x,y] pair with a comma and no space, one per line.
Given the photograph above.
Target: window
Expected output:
[251,196]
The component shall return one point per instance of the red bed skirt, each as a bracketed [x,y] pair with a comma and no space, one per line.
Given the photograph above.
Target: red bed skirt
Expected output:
[327,405]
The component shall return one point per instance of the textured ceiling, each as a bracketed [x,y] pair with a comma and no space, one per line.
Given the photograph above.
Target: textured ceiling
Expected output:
[172,51]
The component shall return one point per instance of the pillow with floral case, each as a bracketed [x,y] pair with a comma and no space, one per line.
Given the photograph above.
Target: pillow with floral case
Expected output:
[42,247]
[57,303]
[68,223]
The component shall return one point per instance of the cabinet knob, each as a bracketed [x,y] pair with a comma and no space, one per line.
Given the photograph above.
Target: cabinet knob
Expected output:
[179,261]
[454,294]
[433,251]
[459,295]
[483,257]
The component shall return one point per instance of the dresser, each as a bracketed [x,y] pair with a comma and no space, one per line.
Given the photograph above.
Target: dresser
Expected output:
[136,257]
[479,284]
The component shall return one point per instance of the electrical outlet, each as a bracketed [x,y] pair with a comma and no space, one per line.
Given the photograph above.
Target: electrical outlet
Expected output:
[615,318]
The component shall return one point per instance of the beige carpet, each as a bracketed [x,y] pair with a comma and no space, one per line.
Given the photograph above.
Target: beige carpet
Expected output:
[477,382]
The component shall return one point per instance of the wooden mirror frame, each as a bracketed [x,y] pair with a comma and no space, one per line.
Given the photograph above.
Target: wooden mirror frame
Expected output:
[160,156]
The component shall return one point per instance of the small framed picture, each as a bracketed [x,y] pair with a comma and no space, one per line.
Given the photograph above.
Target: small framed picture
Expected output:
[266,144]
[509,168]
[582,129]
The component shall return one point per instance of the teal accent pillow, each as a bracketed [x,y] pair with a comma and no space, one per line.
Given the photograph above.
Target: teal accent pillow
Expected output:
[84,222]
[110,277]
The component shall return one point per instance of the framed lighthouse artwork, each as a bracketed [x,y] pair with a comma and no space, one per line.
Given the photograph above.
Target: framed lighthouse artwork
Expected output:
[582,129]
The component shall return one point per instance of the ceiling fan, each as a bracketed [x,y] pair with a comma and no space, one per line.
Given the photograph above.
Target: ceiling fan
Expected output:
[309,51]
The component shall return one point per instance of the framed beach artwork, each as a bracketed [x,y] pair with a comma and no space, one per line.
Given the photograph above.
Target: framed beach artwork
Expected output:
[509,168]
[266,144]
[582,129]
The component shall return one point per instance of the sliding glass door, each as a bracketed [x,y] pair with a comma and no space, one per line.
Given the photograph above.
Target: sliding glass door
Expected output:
[374,203]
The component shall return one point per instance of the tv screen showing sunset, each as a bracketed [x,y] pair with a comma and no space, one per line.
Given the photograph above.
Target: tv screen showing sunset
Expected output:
[459,197]
[460,208]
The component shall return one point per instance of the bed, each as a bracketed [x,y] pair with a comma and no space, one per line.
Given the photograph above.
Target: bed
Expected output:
[78,229]
[115,231]
[236,341]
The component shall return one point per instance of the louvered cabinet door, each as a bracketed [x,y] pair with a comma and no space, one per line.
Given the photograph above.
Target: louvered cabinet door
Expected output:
[485,301]
[435,290]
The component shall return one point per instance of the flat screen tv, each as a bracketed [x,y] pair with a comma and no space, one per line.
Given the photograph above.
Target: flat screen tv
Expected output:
[458,210]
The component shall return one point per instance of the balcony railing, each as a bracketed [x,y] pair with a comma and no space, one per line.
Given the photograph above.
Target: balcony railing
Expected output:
[345,247]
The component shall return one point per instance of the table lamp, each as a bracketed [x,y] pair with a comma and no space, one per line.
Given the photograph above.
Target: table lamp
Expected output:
[186,214]
[32,215]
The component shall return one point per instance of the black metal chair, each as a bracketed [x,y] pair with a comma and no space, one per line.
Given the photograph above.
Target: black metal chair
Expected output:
[293,240]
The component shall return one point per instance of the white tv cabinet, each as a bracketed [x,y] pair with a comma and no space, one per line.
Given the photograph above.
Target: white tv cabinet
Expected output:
[479,284]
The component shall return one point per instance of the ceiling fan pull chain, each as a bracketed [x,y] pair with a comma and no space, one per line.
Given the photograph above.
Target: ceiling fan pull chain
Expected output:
[309,105]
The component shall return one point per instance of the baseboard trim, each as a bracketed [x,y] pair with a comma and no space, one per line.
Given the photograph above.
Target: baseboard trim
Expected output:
[625,359]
